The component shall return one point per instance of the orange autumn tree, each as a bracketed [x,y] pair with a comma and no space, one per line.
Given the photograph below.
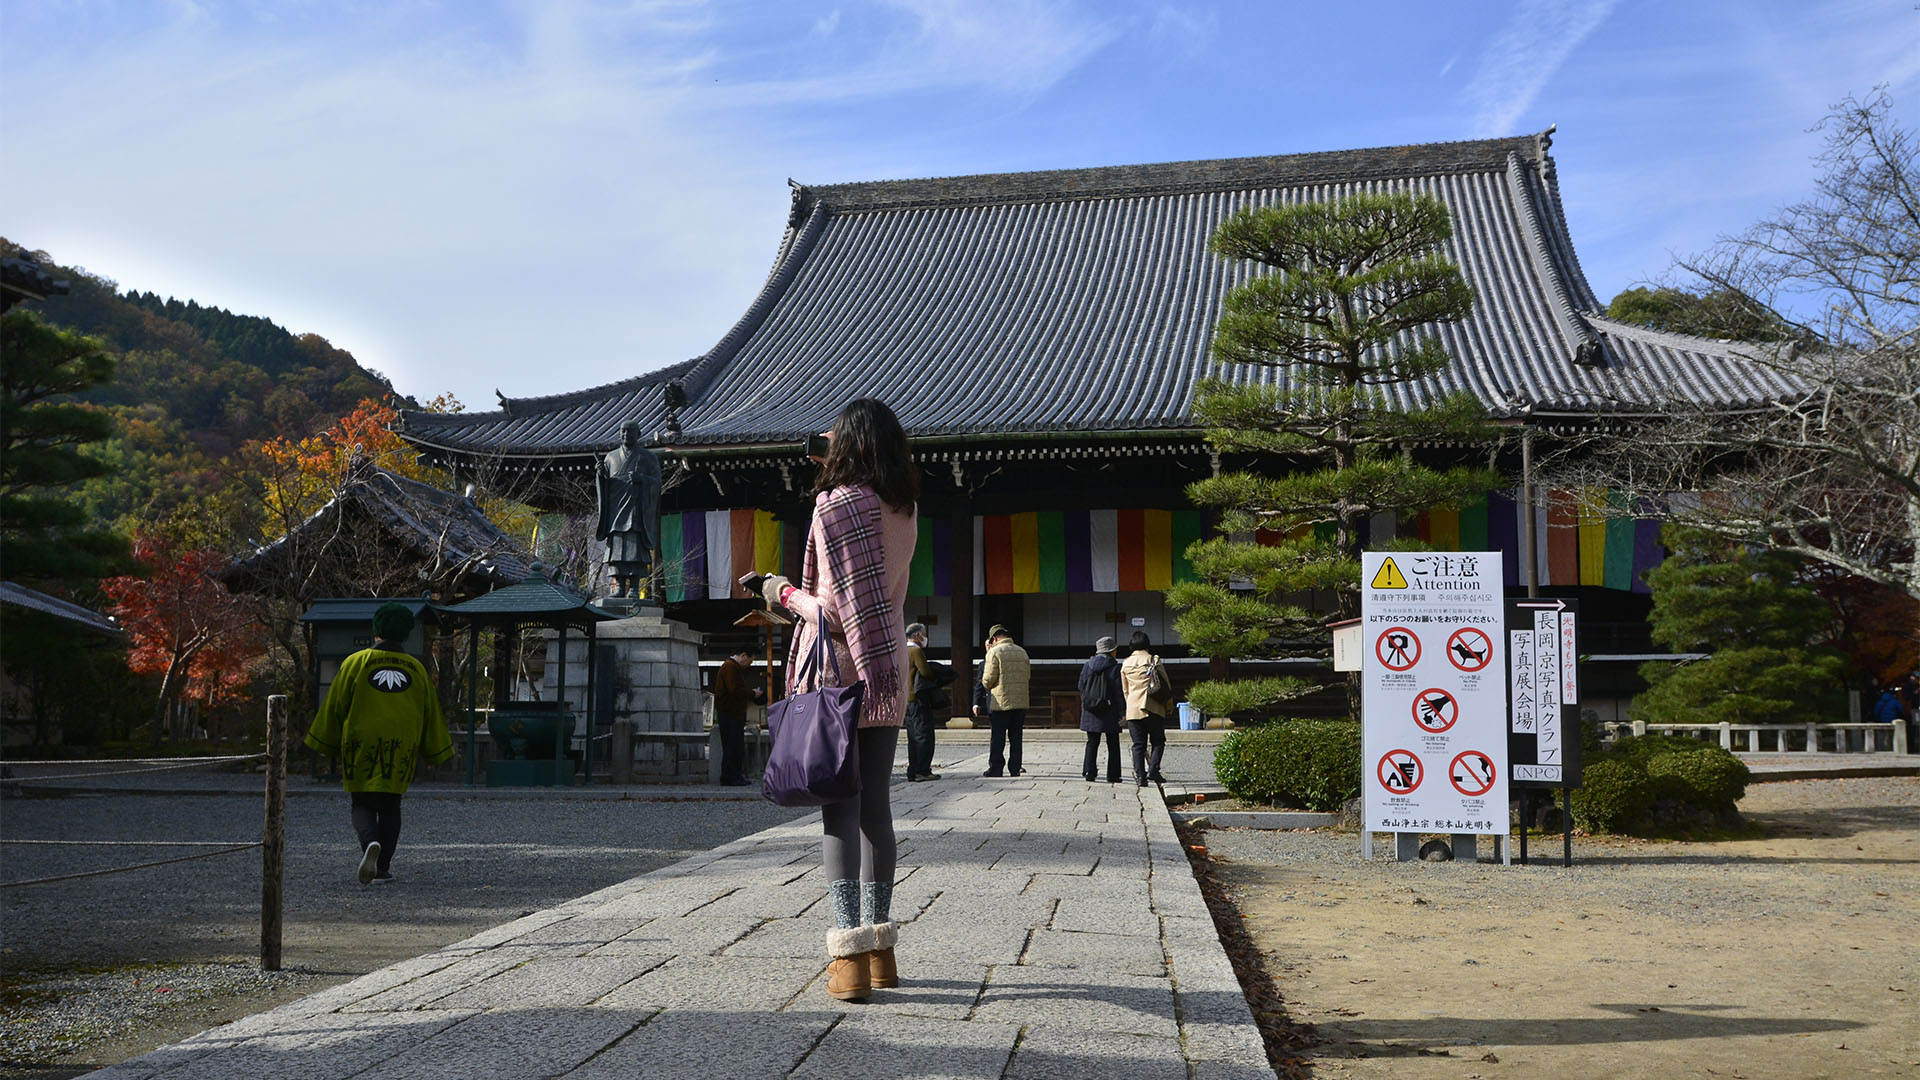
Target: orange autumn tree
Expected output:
[183,625]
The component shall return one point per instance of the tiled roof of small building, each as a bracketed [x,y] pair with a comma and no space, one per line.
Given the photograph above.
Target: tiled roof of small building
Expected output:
[439,526]
[1085,300]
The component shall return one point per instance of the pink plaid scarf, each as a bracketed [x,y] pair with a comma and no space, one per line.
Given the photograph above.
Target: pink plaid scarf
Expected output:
[849,519]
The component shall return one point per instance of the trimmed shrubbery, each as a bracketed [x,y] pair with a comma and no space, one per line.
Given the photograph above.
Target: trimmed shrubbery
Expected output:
[1311,764]
[1655,781]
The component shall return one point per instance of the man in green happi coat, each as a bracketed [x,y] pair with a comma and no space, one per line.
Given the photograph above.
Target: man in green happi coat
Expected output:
[381,717]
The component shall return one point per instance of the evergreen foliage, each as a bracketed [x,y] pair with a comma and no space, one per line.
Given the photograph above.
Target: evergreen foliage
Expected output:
[1312,764]
[1652,782]
[1352,284]
[1747,608]
[44,536]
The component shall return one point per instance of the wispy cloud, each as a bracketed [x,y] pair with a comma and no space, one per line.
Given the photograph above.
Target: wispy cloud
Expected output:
[1524,55]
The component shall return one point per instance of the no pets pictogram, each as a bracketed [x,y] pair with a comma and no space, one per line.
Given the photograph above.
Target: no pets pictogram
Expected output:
[1469,649]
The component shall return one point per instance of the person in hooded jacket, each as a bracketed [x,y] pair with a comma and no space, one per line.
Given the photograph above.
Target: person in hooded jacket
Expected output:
[1102,703]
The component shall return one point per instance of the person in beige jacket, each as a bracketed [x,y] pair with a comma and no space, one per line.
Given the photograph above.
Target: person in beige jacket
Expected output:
[1005,675]
[1146,715]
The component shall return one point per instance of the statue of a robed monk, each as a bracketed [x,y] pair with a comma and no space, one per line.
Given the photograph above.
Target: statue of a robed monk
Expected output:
[627,486]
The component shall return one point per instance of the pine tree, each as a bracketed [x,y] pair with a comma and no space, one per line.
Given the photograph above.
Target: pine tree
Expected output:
[44,534]
[1353,282]
[1748,609]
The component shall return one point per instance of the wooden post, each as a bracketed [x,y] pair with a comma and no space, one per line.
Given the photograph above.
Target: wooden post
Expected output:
[273,849]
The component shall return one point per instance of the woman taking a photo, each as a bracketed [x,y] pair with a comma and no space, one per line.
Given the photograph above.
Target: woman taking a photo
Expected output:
[853,587]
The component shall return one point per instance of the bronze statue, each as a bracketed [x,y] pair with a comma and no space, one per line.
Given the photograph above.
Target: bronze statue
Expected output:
[627,486]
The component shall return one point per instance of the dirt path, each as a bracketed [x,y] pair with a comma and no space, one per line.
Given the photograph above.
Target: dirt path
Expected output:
[1790,956]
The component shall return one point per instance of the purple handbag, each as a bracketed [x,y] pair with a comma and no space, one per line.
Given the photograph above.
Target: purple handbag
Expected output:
[814,759]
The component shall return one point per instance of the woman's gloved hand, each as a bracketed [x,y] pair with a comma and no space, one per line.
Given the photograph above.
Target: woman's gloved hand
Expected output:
[771,589]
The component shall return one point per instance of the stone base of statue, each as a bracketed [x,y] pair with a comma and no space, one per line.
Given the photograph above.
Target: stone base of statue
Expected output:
[649,685]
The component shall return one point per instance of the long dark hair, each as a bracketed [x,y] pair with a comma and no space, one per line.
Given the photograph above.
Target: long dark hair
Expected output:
[870,447]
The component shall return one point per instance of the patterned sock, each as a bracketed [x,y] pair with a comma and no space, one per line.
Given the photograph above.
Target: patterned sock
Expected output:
[844,895]
[876,902]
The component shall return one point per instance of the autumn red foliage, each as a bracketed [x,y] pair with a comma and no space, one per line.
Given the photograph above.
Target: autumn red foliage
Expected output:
[183,625]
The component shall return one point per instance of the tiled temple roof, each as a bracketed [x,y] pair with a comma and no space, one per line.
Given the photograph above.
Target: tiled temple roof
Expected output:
[1084,300]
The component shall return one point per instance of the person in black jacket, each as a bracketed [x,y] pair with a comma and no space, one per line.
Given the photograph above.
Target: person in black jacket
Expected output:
[1102,703]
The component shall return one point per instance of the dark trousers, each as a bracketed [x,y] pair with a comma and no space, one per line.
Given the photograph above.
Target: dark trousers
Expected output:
[733,748]
[1003,745]
[1150,730]
[376,816]
[1090,767]
[919,740]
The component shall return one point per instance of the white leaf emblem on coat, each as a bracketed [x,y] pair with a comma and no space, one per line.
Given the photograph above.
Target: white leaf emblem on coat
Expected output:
[392,680]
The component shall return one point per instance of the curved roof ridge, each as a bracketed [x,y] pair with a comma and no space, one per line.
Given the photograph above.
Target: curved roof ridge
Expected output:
[703,368]
[1586,346]
[1279,170]
[530,406]
[1674,339]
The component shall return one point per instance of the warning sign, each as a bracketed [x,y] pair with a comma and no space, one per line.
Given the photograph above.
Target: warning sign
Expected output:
[1399,771]
[1469,649]
[1435,710]
[1434,650]
[1388,576]
[1398,648]
[1472,773]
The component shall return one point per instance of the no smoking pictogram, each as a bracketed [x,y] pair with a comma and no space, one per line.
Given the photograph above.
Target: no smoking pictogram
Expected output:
[1399,771]
[1398,648]
[1471,772]
[1435,710]
[1469,649]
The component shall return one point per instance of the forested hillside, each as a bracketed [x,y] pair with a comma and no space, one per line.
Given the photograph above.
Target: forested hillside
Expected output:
[193,386]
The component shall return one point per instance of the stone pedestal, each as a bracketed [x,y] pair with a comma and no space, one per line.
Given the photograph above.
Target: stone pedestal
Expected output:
[653,683]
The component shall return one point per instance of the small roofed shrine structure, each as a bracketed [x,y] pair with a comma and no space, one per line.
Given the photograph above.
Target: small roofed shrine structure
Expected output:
[1041,335]
[537,732]
[385,534]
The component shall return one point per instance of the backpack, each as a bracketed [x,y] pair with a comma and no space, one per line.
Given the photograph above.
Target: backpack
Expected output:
[932,694]
[1097,695]
[1159,690]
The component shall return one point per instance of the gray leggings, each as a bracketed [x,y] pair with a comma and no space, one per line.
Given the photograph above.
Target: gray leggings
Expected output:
[867,816]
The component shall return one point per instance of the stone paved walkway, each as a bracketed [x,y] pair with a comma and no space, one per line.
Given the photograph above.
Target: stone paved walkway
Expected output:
[1052,930]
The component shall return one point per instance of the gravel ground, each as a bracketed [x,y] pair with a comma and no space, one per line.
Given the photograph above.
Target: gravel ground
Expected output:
[1783,955]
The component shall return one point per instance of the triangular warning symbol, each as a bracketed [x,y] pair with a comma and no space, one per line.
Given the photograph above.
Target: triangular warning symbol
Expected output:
[1389,576]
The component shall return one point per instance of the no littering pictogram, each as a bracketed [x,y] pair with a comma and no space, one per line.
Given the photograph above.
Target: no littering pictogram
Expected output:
[1435,710]
[1399,771]
[1469,649]
[1398,648]
[1471,772]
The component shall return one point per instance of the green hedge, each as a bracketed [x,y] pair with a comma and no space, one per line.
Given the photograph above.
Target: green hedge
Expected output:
[1653,780]
[1312,764]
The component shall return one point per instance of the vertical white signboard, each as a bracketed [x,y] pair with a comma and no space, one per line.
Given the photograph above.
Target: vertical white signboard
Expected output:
[1434,692]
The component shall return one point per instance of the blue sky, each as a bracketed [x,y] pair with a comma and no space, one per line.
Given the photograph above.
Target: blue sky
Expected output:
[540,197]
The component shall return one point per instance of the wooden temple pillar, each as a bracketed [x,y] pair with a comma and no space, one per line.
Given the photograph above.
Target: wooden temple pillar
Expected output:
[962,631]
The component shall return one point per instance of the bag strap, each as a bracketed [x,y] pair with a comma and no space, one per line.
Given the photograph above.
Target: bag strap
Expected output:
[813,665]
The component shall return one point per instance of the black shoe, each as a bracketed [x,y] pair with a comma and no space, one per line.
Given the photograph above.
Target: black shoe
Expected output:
[1144,781]
[990,772]
[1016,772]
[929,776]
[1113,779]
[917,777]
[1157,778]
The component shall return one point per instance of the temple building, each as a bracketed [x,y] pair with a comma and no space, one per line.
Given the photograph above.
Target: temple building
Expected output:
[1040,335]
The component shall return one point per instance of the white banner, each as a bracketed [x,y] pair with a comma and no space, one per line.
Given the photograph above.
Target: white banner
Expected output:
[1434,692]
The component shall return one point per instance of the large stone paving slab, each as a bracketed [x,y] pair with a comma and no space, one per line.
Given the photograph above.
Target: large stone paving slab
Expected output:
[1050,929]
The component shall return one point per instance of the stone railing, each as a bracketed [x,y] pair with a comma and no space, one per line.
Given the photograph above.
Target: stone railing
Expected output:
[1864,738]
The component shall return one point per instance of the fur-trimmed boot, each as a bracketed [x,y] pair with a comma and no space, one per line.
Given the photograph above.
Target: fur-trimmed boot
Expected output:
[847,974]
[880,968]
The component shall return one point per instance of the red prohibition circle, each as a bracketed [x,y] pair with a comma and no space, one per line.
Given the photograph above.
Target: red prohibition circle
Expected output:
[1398,648]
[1405,768]
[1475,777]
[1469,649]
[1435,710]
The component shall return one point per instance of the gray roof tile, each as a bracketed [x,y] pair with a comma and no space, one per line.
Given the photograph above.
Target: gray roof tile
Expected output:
[1077,300]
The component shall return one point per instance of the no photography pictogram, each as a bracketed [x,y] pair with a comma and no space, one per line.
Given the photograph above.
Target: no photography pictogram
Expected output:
[1471,772]
[1399,771]
[1398,648]
[1469,649]
[1435,710]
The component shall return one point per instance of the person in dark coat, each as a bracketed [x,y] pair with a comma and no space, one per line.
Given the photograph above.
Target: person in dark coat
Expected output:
[1102,703]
